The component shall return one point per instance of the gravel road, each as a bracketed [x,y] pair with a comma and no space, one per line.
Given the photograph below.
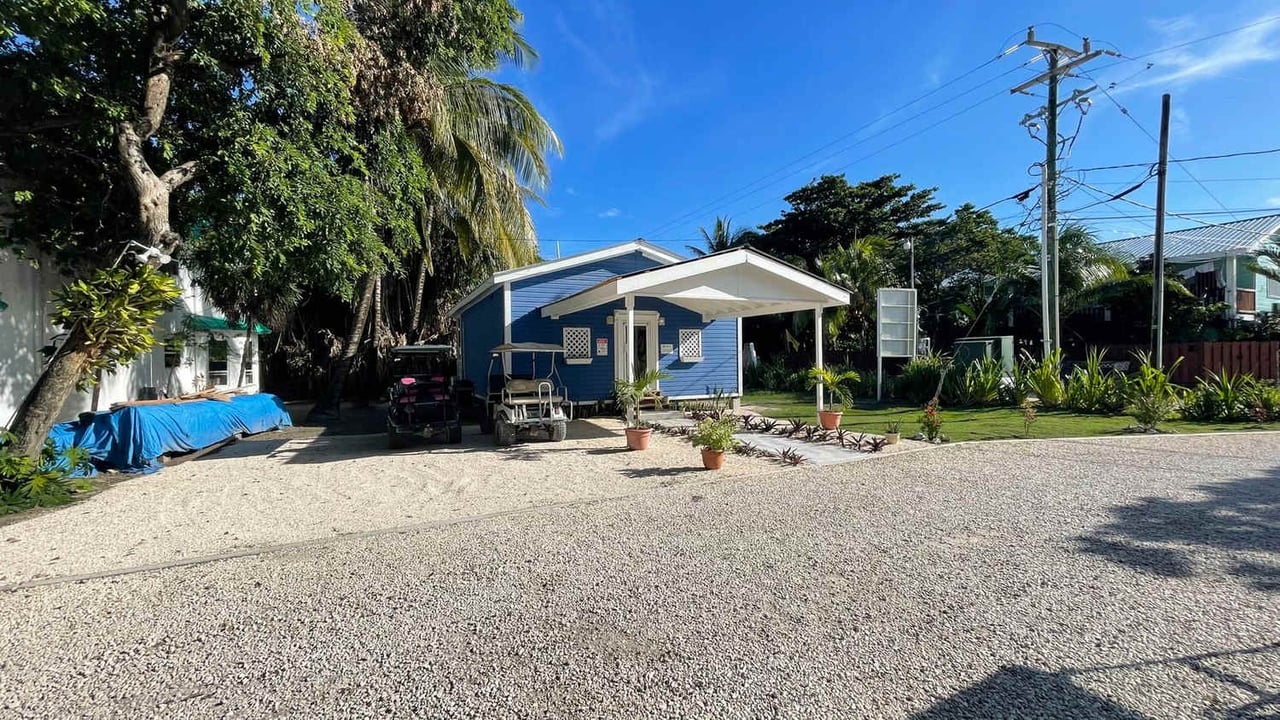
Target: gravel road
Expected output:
[1120,578]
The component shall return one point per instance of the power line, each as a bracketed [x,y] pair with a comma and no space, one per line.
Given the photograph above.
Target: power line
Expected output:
[1221,156]
[1181,45]
[1184,216]
[1125,111]
[755,185]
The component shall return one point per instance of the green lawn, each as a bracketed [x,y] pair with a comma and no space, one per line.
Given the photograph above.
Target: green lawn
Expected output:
[973,423]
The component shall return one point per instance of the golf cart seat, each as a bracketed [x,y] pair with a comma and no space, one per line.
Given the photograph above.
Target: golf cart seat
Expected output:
[520,391]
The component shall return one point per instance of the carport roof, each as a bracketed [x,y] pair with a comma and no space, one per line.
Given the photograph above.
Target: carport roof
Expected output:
[740,282]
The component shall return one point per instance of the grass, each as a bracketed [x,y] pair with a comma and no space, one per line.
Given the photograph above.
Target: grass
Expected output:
[995,423]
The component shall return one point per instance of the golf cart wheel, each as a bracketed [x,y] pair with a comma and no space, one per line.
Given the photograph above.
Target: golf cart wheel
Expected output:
[455,434]
[559,431]
[504,433]
[395,440]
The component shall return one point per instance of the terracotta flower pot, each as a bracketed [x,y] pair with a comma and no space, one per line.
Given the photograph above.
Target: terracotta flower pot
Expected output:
[638,438]
[712,459]
[891,438]
[829,419]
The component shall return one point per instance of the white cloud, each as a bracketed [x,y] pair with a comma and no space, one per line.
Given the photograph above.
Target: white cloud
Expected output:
[623,73]
[1273,201]
[610,213]
[570,191]
[1186,65]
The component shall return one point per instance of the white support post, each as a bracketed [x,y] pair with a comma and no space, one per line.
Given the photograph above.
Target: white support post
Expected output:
[629,336]
[817,359]
[1231,294]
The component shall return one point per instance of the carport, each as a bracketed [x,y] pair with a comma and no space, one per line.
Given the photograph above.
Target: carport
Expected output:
[731,284]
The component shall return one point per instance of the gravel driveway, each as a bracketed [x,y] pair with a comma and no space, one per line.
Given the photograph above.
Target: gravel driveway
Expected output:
[276,489]
[1126,578]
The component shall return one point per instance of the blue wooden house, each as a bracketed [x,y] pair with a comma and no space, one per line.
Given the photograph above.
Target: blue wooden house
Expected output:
[684,316]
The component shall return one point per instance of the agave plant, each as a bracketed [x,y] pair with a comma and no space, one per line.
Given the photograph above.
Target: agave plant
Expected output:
[876,444]
[768,425]
[796,425]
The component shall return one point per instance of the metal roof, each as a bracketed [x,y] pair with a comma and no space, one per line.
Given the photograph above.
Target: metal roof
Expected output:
[1242,237]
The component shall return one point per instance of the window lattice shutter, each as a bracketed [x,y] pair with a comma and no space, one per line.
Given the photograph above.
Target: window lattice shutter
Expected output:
[577,342]
[690,344]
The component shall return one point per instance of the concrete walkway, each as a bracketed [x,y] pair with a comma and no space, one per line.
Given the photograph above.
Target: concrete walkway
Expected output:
[828,453]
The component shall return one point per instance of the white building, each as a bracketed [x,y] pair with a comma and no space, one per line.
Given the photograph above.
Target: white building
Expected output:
[196,347]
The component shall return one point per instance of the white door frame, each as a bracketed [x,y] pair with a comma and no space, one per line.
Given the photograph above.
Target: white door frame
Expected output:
[644,318]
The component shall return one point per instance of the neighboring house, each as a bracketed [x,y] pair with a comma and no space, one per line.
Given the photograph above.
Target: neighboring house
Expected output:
[197,348]
[687,316]
[1213,262]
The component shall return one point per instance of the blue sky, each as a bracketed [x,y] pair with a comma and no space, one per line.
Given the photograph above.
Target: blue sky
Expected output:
[674,112]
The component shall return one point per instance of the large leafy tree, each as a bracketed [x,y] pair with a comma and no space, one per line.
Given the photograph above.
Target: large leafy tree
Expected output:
[829,213]
[291,136]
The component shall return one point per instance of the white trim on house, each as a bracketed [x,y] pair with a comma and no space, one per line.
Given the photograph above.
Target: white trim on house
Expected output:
[507,277]
[506,325]
[648,319]
[731,284]
[741,347]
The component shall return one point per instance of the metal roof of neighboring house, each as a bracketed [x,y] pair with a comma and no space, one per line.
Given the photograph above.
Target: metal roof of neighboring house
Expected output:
[1242,237]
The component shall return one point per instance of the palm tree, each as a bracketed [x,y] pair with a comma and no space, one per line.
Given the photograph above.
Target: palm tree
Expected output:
[721,237]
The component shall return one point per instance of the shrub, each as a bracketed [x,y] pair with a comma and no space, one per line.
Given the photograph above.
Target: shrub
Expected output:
[774,376]
[978,384]
[931,422]
[1016,389]
[42,482]
[1090,389]
[1267,398]
[1044,378]
[1221,397]
[715,434]
[919,379]
[1152,398]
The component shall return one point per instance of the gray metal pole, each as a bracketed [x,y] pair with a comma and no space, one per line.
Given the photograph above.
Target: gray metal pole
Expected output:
[1051,200]
[1157,265]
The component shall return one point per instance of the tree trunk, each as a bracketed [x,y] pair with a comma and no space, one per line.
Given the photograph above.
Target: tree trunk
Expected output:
[169,20]
[425,268]
[330,404]
[40,409]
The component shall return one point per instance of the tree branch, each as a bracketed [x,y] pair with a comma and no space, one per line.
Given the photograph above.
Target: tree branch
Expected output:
[180,174]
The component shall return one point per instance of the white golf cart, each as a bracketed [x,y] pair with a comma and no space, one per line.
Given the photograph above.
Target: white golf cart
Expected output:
[522,403]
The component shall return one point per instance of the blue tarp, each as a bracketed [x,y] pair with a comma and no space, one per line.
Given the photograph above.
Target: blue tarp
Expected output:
[132,439]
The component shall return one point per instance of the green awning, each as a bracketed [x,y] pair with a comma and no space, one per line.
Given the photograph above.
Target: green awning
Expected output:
[207,323]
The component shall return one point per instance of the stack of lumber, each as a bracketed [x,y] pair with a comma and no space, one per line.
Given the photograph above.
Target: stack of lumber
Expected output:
[219,395]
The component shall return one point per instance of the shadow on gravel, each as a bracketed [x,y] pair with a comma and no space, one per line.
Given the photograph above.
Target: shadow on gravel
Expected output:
[1018,691]
[1160,536]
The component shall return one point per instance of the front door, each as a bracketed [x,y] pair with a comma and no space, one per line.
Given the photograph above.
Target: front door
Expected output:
[644,338]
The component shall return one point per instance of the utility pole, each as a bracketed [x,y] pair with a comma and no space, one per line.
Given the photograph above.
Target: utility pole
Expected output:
[1157,264]
[1063,61]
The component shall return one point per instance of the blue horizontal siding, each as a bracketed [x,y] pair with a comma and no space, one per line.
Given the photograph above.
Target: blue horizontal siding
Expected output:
[482,329]
[481,332]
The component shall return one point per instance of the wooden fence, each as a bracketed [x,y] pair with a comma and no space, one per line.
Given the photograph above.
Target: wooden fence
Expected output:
[1259,358]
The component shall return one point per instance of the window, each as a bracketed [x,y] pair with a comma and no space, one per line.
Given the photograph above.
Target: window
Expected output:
[1273,288]
[217,373]
[172,355]
[250,354]
[690,345]
[577,345]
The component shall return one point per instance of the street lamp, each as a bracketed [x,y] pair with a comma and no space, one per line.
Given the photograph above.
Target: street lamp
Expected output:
[910,246]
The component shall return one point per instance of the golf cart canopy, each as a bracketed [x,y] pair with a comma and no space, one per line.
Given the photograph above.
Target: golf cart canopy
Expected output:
[406,349]
[528,347]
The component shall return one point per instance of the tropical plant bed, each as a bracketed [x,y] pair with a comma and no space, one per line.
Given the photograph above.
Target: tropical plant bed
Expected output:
[995,423]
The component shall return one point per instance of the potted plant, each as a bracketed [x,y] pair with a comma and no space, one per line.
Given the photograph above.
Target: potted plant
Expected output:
[838,384]
[715,437]
[630,394]
[892,432]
